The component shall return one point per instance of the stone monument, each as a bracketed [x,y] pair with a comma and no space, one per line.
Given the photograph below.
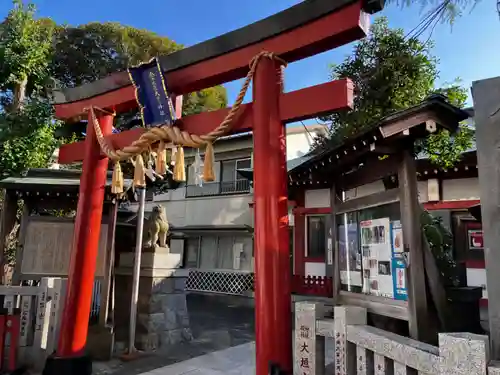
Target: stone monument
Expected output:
[162,316]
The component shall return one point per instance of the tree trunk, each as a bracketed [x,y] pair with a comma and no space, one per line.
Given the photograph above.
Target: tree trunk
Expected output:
[19,94]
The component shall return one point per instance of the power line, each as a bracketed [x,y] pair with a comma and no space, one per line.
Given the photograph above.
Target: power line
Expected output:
[310,138]
[432,18]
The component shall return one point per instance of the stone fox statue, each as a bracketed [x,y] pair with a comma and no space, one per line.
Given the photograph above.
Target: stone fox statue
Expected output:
[156,228]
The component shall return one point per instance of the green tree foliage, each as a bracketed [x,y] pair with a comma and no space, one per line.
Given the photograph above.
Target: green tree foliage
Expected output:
[440,242]
[26,123]
[25,47]
[27,138]
[36,54]
[89,52]
[391,73]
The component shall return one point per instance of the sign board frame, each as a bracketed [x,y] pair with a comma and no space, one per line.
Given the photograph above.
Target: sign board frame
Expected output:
[30,250]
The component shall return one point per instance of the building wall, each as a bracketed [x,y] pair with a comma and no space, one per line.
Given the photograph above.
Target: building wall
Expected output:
[460,189]
[298,144]
[222,211]
[477,277]
[219,210]
[453,192]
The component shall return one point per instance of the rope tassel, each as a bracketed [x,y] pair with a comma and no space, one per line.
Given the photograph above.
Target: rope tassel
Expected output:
[179,169]
[161,159]
[117,179]
[208,163]
[139,172]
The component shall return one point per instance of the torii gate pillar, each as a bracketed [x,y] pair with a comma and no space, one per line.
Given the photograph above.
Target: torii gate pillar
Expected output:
[70,357]
[273,328]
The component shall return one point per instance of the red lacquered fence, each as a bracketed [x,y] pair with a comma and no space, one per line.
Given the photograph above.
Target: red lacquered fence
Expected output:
[320,286]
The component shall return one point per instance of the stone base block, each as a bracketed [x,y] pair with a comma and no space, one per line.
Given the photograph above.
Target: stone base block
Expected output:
[162,315]
[100,342]
[152,260]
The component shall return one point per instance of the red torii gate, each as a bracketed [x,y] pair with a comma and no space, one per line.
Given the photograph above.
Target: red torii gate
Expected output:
[309,28]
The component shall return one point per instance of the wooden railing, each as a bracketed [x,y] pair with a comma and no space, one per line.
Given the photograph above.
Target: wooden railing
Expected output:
[362,349]
[30,323]
[312,285]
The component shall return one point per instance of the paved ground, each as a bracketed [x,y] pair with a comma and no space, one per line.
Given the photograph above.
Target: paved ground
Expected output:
[216,324]
[223,344]
[238,360]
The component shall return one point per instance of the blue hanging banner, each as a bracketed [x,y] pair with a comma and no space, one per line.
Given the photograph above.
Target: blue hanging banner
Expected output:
[151,94]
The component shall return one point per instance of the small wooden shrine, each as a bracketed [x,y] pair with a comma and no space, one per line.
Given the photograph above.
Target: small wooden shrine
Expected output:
[373,237]
[50,198]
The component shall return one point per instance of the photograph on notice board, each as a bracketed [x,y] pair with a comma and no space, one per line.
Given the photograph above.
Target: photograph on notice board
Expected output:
[376,250]
[384,268]
[397,237]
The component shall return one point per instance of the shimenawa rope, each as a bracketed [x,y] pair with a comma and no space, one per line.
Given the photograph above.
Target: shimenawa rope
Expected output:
[173,133]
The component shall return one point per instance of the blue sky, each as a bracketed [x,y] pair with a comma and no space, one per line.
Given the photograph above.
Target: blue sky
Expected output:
[468,50]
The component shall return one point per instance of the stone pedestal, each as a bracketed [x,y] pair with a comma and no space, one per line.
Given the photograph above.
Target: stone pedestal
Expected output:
[162,316]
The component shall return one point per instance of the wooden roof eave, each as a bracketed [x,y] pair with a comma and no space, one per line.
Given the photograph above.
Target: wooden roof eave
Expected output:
[394,133]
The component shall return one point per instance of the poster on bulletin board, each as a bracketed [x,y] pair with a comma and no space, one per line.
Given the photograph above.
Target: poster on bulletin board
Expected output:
[376,254]
[399,279]
[397,238]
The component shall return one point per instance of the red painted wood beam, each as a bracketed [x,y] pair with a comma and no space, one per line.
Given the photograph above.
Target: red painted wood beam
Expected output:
[296,105]
[451,205]
[326,33]
[475,263]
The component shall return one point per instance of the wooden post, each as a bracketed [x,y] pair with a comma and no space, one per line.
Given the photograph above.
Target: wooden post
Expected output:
[7,223]
[486,95]
[332,253]
[25,217]
[412,237]
[109,266]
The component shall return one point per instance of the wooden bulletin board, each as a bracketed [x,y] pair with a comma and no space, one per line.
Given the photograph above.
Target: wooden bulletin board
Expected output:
[46,244]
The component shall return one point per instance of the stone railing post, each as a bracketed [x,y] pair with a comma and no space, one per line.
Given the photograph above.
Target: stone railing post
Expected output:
[309,349]
[463,354]
[57,294]
[348,357]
